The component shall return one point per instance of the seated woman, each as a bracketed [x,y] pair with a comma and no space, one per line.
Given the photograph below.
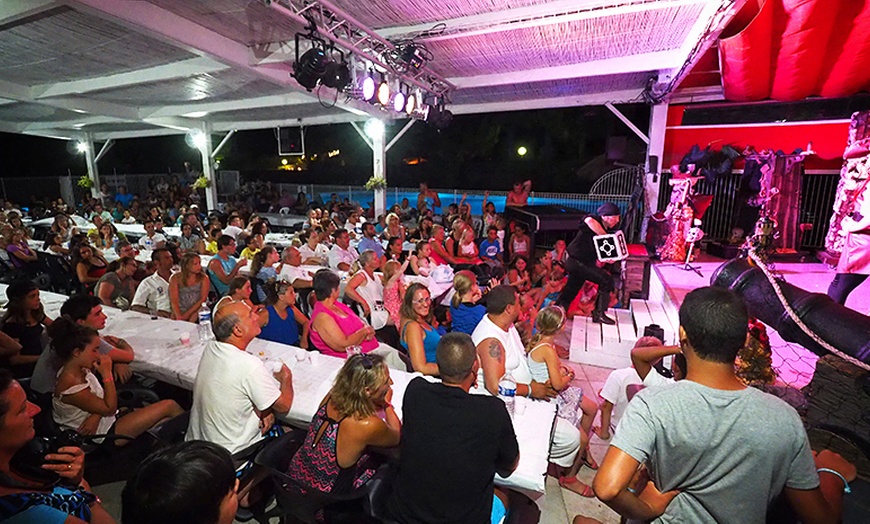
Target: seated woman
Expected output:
[27,499]
[365,288]
[420,262]
[54,244]
[240,291]
[395,250]
[334,458]
[465,309]
[394,228]
[20,254]
[89,405]
[62,227]
[518,276]
[189,242]
[418,335]
[90,266]
[117,287]
[188,289]
[262,268]
[519,243]
[107,236]
[335,329]
[23,323]
[280,320]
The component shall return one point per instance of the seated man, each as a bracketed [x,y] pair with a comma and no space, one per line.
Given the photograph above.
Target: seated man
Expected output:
[370,241]
[342,255]
[223,267]
[86,310]
[152,239]
[718,451]
[235,396]
[501,350]
[448,457]
[153,291]
[189,482]
[291,260]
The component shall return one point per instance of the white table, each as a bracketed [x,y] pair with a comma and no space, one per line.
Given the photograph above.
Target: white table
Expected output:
[161,355]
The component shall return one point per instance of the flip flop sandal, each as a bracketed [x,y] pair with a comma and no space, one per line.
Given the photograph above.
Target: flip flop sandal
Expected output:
[567,481]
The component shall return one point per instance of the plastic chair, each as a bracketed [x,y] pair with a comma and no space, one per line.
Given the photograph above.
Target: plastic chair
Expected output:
[284,211]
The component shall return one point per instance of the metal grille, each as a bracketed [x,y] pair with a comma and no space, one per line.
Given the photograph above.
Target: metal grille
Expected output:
[817,199]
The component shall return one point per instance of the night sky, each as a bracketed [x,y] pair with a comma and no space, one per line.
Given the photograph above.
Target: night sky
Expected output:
[566,152]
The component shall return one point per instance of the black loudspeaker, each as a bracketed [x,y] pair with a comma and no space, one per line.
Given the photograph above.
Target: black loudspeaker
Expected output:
[291,141]
[653,165]
[839,326]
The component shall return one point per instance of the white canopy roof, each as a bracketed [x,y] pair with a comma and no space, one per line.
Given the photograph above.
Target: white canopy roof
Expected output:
[129,68]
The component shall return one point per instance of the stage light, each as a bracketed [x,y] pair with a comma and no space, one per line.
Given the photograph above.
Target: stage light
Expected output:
[411,103]
[196,138]
[284,162]
[82,147]
[374,128]
[384,93]
[368,88]
[522,150]
[310,68]
[437,116]
[399,102]
[337,75]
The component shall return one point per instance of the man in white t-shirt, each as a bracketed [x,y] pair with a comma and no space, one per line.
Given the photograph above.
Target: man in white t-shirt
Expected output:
[614,394]
[291,271]
[234,228]
[235,396]
[501,350]
[153,291]
[342,255]
[152,239]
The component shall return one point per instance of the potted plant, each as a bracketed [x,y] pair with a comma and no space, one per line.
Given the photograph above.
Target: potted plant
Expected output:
[201,183]
[375,183]
[85,182]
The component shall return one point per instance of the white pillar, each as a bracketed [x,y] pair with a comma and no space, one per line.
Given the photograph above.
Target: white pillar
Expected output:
[208,168]
[379,153]
[90,160]
[658,121]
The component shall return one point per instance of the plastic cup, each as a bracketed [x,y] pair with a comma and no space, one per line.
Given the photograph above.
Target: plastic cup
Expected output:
[185,338]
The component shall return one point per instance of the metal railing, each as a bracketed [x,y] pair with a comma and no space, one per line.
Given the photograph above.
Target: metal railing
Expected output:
[817,200]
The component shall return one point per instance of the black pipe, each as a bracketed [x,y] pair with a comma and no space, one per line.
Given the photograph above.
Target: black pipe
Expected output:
[841,327]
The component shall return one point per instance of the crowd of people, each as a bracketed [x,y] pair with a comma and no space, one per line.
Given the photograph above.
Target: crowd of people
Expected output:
[467,298]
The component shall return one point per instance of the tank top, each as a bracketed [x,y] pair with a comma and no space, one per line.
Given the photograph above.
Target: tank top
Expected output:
[188,296]
[515,362]
[372,290]
[227,265]
[435,257]
[283,330]
[519,247]
[349,324]
[431,337]
[315,465]
[71,417]
[540,372]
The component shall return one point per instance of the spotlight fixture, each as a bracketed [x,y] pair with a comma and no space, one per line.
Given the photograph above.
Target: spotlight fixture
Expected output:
[337,75]
[384,93]
[399,101]
[374,128]
[81,147]
[411,103]
[311,67]
[368,88]
[437,116]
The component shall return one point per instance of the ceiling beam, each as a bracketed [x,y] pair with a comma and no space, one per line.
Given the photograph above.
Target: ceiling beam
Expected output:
[182,69]
[592,99]
[610,66]
[283,101]
[558,12]
[156,22]
[11,11]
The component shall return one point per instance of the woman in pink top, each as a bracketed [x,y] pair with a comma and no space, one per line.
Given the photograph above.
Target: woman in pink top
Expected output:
[335,328]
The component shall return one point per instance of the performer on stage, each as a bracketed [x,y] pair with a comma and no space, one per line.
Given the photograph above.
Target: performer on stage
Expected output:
[854,265]
[583,264]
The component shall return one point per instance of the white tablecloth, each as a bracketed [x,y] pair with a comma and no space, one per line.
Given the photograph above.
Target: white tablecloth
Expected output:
[161,356]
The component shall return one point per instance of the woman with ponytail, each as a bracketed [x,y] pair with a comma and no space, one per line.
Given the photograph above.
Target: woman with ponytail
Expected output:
[88,404]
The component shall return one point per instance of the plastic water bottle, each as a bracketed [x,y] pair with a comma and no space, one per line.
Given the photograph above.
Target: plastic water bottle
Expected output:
[205,332]
[507,390]
[148,244]
[115,244]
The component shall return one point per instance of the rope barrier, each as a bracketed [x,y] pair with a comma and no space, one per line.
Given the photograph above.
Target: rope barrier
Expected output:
[791,313]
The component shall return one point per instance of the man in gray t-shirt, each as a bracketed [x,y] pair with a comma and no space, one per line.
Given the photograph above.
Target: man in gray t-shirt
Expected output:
[716,451]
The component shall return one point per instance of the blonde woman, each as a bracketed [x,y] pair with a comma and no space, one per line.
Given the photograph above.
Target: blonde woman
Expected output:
[334,458]
[544,365]
[188,289]
[465,309]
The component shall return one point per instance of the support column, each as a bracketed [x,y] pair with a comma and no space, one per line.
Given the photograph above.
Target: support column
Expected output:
[658,121]
[208,168]
[90,160]
[379,153]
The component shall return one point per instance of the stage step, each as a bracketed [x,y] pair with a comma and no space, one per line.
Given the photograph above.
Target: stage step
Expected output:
[610,346]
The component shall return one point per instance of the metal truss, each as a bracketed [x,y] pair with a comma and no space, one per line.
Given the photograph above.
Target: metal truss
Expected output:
[340,28]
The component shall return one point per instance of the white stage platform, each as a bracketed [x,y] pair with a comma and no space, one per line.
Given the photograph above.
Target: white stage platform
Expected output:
[609,346]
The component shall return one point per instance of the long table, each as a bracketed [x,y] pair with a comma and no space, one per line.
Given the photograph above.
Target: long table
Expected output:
[161,355]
